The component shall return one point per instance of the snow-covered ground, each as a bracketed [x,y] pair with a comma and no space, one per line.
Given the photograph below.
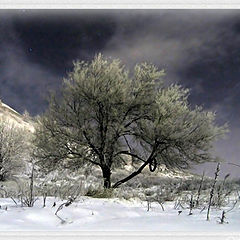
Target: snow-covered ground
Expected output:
[111,215]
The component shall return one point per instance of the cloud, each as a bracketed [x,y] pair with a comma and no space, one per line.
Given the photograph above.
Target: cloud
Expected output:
[173,40]
[24,84]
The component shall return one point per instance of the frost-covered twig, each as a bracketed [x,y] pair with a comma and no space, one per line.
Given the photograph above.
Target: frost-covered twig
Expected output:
[69,201]
[222,218]
[191,205]
[199,189]
[27,198]
[178,204]
[2,189]
[220,192]
[66,204]
[235,203]
[212,190]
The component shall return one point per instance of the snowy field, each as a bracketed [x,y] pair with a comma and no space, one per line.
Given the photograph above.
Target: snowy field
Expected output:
[112,215]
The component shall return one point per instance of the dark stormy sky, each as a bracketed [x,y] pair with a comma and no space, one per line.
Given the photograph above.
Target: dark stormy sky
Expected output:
[199,49]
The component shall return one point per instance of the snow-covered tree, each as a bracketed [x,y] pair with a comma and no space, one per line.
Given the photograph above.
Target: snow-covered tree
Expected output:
[104,113]
[13,148]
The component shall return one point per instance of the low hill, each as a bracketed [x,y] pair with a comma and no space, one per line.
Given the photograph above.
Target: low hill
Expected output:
[13,116]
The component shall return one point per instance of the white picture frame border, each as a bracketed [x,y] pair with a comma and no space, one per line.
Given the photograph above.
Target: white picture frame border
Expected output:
[118,235]
[122,4]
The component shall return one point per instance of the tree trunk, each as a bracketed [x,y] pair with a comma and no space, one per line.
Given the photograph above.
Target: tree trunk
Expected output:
[2,174]
[2,177]
[106,171]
